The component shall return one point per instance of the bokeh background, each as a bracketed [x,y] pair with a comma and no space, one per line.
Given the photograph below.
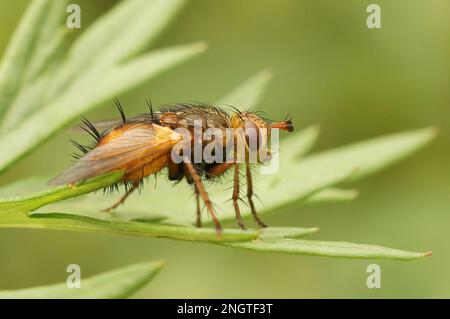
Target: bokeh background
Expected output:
[330,69]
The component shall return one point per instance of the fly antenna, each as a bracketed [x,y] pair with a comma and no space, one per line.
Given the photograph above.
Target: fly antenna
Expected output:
[119,107]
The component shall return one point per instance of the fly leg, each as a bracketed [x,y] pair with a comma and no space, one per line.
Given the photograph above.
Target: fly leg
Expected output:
[203,194]
[250,195]
[123,198]
[220,169]
[236,197]
[197,202]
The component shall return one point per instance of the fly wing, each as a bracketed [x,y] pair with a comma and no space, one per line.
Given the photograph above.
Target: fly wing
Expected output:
[136,144]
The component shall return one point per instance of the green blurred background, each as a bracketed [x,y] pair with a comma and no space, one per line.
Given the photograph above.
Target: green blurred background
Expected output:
[330,69]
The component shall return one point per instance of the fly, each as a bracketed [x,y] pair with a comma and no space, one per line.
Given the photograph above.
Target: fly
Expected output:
[144,145]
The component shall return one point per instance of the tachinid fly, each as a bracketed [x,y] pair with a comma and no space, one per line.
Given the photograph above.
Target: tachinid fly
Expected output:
[145,145]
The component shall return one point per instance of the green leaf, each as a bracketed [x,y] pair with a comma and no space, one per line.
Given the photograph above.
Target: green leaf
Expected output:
[19,51]
[249,93]
[103,223]
[376,154]
[117,283]
[50,42]
[26,103]
[301,144]
[333,194]
[47,56]
[25,204]
[13,215]
[286,240]
[125,31]
[285,232]
[48,53]
[117,36]
[326,248]
[101,63]
[43,124]
[142,68]
[54,20]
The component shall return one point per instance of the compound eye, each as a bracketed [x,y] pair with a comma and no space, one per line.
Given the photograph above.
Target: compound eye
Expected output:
[252,135]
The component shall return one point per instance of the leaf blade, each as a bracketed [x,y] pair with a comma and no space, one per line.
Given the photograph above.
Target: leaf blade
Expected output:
[250,92]
[117,283]
[50,40]
[40,126]
[373,155]
[118,35]
[327,249]
[19,51]
[123,32]
[25,204]
[110,225]
[13,215]
[333,194]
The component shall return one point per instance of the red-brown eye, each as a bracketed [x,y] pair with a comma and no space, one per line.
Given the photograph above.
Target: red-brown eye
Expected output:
[252,135]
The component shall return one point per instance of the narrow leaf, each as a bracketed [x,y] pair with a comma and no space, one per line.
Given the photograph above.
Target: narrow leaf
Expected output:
[13,215]
[32,202]
[124,31]
[249,93]
[118,35]
[326,248]
[48,52]
[286,232]
[117,283]
[19,51]
[50,41]
[54,18]
[298,145]
[333,194]
[144,67]
[24,104]
[371,156]
[41,125]
[111,225]
[47,56]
